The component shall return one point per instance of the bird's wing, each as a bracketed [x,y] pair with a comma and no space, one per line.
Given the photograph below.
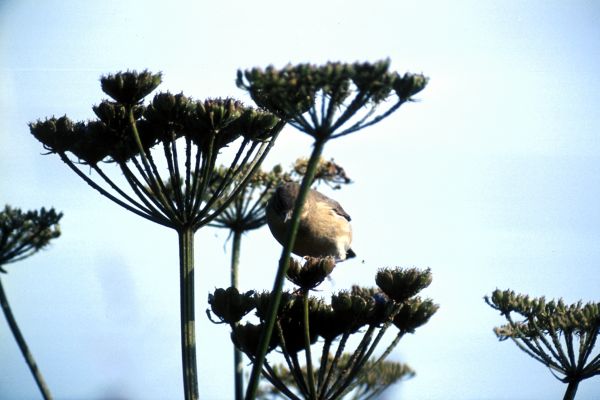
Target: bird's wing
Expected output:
[335,206]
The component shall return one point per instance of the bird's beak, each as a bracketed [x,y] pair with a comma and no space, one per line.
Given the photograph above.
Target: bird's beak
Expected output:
[287,216]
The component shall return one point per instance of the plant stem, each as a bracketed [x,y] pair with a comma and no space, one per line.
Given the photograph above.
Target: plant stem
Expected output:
[12,323]
[571,390]
[310,377]
[238,365]
[284,262]
[186,296]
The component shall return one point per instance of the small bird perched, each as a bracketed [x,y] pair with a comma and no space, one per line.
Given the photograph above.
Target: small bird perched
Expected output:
[324,225]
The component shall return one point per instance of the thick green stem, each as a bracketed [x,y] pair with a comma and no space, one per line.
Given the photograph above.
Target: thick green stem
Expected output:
[571,390]
[12,323]
[238,365]
[186,295]
[284,262]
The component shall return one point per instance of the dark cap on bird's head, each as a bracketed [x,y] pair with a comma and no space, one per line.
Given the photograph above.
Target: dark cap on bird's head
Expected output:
[284,199]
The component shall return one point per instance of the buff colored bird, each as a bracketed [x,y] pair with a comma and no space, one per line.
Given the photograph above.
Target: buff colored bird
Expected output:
[324,225]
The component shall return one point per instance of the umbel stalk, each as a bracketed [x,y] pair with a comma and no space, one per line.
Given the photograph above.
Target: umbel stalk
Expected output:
[23,234]
[14,328]
[186,296]
[571,390]
[238,366]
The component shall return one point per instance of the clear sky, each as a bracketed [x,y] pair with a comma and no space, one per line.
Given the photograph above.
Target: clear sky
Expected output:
[492,180]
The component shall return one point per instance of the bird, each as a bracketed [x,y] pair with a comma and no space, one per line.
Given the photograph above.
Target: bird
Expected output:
[324,229]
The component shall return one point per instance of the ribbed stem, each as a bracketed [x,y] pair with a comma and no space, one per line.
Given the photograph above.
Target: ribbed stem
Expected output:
[14,328]
[238,364]
[284,262]
[188,331]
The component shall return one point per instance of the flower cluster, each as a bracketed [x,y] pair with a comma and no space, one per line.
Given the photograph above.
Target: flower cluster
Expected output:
[24,233]
[330,94]
[21,235]
[546,316]
[302,320]
[328,172]
[560,336]
[209,124]
[128,132]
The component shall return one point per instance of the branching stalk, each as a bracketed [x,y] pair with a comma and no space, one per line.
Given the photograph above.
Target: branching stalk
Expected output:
[186,294]
[238,365]
[14,328]
[571,390]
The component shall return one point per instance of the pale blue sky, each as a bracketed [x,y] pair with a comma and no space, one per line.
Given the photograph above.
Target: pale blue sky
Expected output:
[491,180]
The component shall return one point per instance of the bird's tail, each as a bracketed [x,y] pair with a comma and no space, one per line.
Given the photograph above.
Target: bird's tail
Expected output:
[350,253]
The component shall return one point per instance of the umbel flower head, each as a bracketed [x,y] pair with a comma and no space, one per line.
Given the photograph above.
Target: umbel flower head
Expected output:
[130,134]
[328,172]
[401,284]
[229,305]
[561,336]
[21,235]
[322,100]
[24,233]
[247,211]
[164,155]
[302,319]
[130,87]
[311,273]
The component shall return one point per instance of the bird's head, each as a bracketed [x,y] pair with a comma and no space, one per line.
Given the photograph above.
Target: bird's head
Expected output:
[284,199]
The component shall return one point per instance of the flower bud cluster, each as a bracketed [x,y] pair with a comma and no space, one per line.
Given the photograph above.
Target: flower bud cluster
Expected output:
[211,123]
[401,284]
[229,305]
[311,273]
[130,87]
[543,316]
[24,233]
[328,171]
[292,90]
[347,313]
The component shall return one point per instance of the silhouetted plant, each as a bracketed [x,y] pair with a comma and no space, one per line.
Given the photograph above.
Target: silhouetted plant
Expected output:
[376,378]
[560,336]
[366,313]
[23,234]
[247,212]
[326,102]
[190,134]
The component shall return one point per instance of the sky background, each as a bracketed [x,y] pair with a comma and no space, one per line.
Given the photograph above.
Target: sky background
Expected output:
[492,180]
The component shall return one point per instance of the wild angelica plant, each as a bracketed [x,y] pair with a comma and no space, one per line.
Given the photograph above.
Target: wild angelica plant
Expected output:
[182,138]
[377,377]
[560,336]
[23,234]
[302,320]
[247,212]
[325,102]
